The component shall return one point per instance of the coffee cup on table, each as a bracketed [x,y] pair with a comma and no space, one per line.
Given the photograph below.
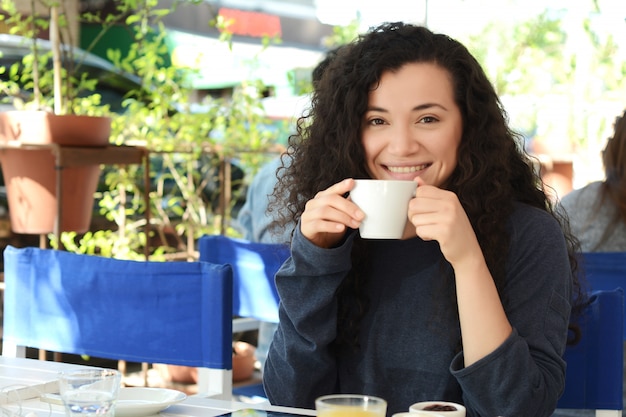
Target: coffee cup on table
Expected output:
[438,408]
[385,204]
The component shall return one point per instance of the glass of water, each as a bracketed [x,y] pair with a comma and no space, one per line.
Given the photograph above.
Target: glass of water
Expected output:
[89,392]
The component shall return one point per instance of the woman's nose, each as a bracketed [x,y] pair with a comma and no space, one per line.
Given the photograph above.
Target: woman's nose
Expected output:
[402,141]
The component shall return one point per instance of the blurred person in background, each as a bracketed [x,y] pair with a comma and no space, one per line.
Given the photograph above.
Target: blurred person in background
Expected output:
[597,212]
[255,221]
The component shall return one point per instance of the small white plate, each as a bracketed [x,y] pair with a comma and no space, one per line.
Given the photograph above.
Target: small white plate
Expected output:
[135,402]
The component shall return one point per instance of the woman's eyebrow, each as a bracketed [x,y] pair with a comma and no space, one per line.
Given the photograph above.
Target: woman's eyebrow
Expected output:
[379,109]
[429,105]
[424,106]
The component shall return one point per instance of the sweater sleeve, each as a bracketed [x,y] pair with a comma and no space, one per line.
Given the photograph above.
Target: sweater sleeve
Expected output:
[526,374]
[306,283]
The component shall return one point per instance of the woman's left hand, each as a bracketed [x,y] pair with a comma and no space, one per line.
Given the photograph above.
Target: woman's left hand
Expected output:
[438,215]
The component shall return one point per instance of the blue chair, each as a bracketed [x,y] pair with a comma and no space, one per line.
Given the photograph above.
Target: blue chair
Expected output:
[155,312]
[254,265]
[604,271]
[255,298]
[594,378]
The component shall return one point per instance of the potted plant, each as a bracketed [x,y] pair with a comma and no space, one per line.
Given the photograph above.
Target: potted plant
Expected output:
[53,115]
[188,142]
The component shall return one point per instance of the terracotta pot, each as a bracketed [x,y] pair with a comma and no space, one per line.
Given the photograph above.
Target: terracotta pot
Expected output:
[178,373]
[243,366]
[30,174]
[30,179]
[243,361]
[41,127]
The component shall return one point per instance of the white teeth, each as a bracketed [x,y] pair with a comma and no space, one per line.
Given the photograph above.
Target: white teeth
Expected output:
[406,170]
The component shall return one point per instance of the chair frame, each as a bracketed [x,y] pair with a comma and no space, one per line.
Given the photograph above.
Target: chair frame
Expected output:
[604,271]
[45,308]
[255,297]
[594,375]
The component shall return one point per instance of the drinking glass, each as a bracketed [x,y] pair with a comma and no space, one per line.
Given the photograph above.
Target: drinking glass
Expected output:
[350,405]
[89,392]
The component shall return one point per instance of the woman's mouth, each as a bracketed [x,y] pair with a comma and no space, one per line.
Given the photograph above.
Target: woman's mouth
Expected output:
[407,169]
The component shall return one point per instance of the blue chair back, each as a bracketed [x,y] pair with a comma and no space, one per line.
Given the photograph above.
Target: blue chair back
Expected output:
[156,312]
[604,271]
[594,378]
[254,266]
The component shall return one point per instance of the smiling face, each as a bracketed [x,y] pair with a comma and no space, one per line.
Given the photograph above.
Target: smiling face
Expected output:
[413,126]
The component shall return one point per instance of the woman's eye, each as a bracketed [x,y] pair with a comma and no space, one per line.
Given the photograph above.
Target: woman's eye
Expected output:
[428,119]
[376,121]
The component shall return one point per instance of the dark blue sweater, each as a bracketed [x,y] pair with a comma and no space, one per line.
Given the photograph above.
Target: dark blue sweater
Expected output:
[410,338]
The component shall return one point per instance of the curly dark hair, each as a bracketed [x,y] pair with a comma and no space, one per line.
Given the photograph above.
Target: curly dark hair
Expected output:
[493,170]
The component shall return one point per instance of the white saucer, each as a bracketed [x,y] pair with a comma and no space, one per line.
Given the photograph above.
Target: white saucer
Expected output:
[135,402]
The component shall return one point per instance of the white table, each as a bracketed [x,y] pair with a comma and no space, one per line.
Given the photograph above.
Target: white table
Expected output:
[18,372]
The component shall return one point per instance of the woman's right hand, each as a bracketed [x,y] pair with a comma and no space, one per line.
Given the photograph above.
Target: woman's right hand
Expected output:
[327,216]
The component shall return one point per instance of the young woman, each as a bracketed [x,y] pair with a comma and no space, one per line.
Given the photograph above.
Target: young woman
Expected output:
[472,305]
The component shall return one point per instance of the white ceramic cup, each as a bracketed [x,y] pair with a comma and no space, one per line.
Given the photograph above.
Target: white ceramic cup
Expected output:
[418,413]
[385,204]
[421,408]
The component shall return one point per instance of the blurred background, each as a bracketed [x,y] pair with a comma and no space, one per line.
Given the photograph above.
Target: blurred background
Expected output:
[205,84]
